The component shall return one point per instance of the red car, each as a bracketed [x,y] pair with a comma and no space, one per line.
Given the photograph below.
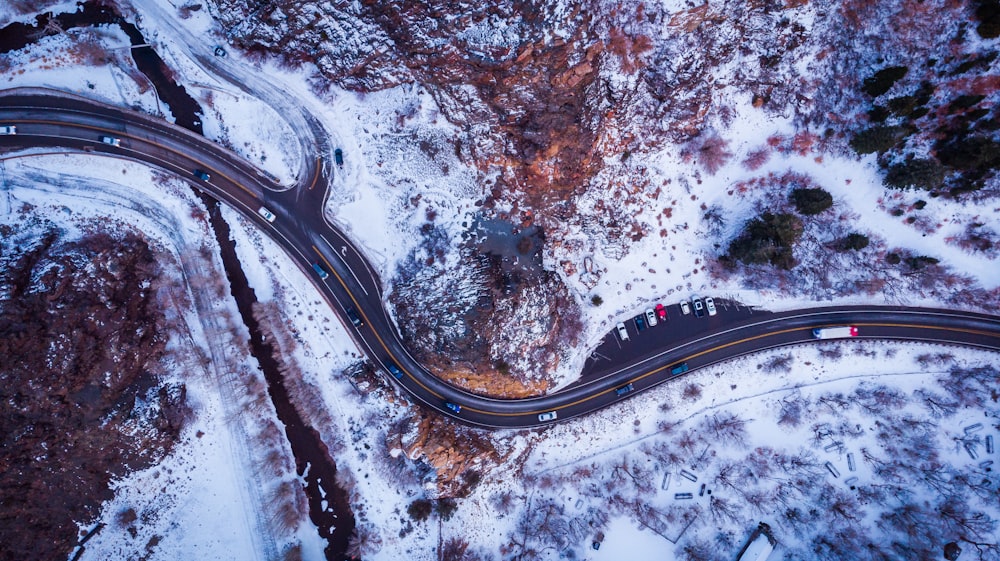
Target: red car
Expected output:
[661,312]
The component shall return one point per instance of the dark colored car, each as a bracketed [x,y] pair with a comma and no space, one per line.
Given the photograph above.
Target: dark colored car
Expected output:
[453,406]
[699,307]
[640,322]
[679,368]
[202,175]
[338,157]
[394,370]
[624,390]
[661,312]
[352,314]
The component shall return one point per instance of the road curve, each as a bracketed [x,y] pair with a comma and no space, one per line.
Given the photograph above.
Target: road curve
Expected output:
[53,119]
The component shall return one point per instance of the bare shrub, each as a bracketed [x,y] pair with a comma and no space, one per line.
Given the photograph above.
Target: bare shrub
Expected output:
[692,391]
[727,428]
[712,153]
[792,409]
[364,542]
[757,158]
[778,363]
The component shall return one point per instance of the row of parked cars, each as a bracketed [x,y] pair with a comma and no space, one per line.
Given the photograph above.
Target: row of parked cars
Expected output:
[652,316]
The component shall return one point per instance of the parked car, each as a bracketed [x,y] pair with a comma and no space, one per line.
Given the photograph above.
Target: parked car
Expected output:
[550,416]
[8,129]
[112,141]
[624,390]
[685,307]
[640,322]
[622,332]
[650,317]
[394,370]
[352,315]
[268,215]
[453,406]
[710,306]
[661,312]
[699,308]
[320,271]
[202,175]
[679,368]
[338,157]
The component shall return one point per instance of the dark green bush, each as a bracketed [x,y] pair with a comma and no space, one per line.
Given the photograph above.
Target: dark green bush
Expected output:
[446,507]
[420,509]
[811,201]
[918,262]
[893,259]
[854,242]
[917,173]
[964,102]
[877,139]
[988,14]
[596,300]
[769,238]
[882,80]
[970,153]
[878,114]
[903,105]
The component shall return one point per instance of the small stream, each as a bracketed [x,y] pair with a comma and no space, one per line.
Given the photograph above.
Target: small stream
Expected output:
[311,455]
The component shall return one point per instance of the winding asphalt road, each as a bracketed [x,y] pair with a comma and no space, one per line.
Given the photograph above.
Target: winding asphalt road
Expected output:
[48,119]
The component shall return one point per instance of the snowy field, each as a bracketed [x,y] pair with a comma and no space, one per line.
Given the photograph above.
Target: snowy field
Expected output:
[772,437]
[209,496]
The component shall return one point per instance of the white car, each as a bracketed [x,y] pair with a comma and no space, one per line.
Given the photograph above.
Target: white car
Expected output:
[8,129]
[622,332]
[710,306]
[685,307]
[650,317]
[268,215]
[550,416]
[112,141]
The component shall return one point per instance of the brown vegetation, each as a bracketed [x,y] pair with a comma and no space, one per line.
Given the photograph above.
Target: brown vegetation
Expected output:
[81,401]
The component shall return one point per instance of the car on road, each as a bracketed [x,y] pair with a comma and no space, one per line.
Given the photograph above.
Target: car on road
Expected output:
[550,416]
[710,306]
[640,323]
[685,307]
[268,215]
[394,370]
[650,317]
[112,141]
[661,312]
[678,369]
[201,175]
[453,406]
[624,390]
[622,332]
[338,157]
[699,307]
[352,315]
[320,271]
[8,129]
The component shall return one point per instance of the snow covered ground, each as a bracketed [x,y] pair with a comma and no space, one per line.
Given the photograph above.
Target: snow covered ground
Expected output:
[586,476]
[209,496]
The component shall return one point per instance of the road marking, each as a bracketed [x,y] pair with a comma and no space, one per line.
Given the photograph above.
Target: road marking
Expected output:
[316,176]
[723,346]
[356,279]
[131,137]
[357,306]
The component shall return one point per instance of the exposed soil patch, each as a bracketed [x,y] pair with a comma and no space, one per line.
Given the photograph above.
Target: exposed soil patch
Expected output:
[82,400]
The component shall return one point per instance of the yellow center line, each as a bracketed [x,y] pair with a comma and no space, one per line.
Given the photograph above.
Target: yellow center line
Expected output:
[358,307]
[131,137]
[720,347]
[316,177]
